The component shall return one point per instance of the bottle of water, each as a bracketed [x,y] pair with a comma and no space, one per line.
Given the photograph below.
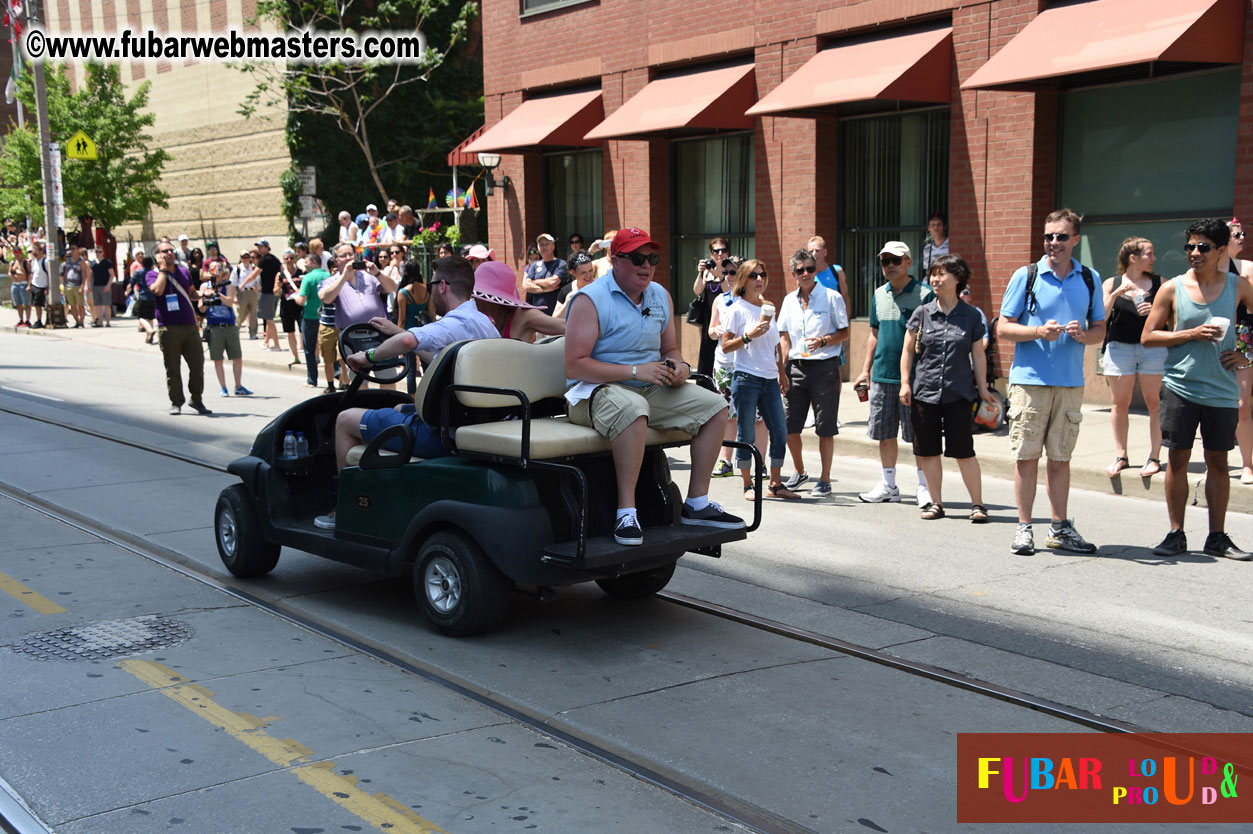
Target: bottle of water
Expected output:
[302,445]
[289,446]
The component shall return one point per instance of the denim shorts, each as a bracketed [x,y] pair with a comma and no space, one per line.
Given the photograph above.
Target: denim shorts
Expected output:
[20,294]
[1126,359]
[426,441]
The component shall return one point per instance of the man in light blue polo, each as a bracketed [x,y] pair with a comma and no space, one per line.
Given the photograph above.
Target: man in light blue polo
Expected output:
[622,357]
[1051,310]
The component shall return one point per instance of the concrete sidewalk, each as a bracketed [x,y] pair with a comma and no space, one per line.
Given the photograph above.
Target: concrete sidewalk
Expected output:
[1093,454]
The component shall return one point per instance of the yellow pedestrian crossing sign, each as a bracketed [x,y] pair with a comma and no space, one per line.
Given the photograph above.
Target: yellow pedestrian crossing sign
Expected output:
[80,146]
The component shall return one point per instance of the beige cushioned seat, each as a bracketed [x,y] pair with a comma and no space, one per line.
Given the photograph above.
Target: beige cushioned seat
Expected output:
[552,437]
[539,372]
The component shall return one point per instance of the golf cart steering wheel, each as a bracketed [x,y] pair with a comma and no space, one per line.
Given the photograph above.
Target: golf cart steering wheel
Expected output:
[357,338]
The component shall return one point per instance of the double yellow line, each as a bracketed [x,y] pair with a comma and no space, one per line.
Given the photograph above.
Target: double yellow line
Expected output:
[378,809]
[30,597]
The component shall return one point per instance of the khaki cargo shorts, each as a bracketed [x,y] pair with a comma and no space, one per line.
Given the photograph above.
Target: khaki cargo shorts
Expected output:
[1044,418]
[613,407]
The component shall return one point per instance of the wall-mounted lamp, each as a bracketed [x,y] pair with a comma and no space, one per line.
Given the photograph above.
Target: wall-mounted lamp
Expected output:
[490,161]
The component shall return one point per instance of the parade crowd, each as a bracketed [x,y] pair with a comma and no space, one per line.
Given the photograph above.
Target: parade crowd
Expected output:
[926,374]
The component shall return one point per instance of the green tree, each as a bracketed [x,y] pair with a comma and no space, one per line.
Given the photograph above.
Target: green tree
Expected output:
[353,97]
[119,187]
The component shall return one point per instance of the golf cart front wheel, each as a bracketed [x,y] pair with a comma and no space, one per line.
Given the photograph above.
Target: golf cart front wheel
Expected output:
[237,531]
[459,590]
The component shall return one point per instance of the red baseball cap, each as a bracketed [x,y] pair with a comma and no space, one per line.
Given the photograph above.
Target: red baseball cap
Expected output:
[628,240]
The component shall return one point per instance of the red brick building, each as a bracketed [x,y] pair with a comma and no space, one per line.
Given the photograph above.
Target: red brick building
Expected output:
[769,122]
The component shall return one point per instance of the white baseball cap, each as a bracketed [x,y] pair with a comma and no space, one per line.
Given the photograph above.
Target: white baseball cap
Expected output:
[182,237]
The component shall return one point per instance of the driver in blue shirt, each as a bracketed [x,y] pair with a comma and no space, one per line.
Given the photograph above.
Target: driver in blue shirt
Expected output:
[460,319]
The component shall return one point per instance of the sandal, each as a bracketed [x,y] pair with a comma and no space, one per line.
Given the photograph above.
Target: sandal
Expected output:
[1151,467]
[1117,466]
[978,514]
[780,491]
[750,494]
[932,511]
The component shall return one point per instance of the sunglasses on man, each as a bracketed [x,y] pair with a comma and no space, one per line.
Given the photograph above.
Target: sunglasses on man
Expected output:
[890,260]
[639,259]
[1203,248]
[801,270]
[1060,237]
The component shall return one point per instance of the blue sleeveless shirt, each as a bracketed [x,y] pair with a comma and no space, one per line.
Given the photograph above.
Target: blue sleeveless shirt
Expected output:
[629,334]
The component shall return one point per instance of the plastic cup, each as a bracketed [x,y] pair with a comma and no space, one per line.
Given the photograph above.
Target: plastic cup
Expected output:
[767,311]
[1224,323]
[863,392]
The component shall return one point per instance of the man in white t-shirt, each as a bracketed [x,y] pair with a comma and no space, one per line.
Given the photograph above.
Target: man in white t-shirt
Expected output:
[348,231]
[38,283]
[813,326]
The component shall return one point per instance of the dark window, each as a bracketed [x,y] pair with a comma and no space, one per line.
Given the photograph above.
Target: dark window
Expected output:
[1145,159]
[573,197]
[713,183]
[893,175]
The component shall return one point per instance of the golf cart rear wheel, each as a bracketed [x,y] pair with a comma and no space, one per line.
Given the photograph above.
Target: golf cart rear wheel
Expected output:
[637,585]
[458,588]
[238,533]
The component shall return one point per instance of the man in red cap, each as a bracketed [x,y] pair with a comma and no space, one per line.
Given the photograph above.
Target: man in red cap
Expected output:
[622,351]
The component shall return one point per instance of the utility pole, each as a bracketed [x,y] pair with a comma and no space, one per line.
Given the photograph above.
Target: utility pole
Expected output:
[56,309]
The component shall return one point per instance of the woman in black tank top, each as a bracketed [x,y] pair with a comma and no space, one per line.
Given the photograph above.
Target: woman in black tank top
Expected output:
[1128,299]
[1244,327]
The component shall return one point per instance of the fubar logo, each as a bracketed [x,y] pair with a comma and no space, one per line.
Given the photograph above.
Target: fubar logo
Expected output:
[1094,778]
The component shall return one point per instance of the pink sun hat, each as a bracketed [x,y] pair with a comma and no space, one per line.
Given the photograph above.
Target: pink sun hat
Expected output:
[496,282]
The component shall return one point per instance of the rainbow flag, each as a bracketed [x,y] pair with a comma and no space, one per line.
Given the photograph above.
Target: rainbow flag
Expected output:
[430,202]
[472,201]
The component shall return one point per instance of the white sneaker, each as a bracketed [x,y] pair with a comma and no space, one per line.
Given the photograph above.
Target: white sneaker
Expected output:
[924,495]
[881,494]
[325,522]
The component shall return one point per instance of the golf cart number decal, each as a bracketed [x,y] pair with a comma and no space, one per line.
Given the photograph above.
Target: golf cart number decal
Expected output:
[363,501]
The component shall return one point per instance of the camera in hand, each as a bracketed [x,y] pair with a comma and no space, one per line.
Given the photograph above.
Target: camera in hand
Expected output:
[358,264]
[709,264]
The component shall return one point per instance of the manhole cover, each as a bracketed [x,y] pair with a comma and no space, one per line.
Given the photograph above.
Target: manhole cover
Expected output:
[111,638]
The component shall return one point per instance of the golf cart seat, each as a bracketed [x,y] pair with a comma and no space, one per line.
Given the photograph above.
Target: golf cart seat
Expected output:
[537,372]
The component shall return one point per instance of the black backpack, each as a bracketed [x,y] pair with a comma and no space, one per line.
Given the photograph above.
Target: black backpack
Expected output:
[1087,279]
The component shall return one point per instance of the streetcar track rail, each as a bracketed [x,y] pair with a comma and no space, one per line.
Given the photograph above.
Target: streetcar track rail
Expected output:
[744,814]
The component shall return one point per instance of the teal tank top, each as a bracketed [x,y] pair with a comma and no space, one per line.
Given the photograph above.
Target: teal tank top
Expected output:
[1193,369]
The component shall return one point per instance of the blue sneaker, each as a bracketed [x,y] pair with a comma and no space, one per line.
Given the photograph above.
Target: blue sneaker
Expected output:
[241,391]
[224,393]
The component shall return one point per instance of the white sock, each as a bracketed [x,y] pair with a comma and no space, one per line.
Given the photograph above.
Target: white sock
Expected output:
[625,511]
[698,503]
[922,478]
[889,476]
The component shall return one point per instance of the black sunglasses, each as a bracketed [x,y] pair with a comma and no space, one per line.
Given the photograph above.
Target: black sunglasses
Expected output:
[1203,248]
[639,260]
[1238,235]
[1060,237]
[723,250]
[800,270]
[890,260]
[755,275]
